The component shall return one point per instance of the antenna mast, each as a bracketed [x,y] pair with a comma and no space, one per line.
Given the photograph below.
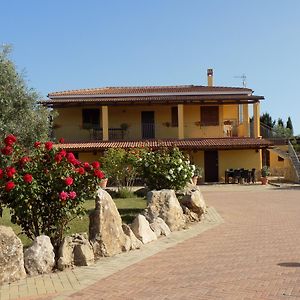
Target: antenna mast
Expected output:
[244,79]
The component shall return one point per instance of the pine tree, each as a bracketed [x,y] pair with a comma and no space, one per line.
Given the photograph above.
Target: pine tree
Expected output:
[280,122]
[289,125]
[266,119]
[20,113]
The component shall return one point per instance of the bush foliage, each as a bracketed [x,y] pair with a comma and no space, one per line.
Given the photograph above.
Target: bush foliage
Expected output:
[166,169]
[45,189]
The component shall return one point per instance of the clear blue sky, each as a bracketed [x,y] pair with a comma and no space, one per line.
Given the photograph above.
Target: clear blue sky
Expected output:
[70,44]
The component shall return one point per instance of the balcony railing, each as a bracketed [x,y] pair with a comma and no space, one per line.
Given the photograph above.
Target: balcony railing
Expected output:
[113,134]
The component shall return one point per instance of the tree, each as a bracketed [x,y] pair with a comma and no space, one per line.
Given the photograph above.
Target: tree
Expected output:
[289,125]
[280,122]
[282,132]
[20,113]
[266,119]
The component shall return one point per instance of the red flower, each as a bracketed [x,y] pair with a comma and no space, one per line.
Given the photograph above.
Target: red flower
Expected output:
[99,174]
[72,159]
[63,153]
[7,150]
[58,157]
[24,160]
[27,178]
[69,181]
[63,196]
[10,140]
[80,170]
[9,186]
[10,172]
[87,166]
[61,140]
[48,145]
[96,165]
[37,144]
[72,195]
[1,173]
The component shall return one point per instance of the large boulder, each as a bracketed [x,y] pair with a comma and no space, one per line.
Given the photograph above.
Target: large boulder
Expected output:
[134,242]
[11,256]
[75,250]
[105,229]
[164,204]
[193,199]
[142,230]
[160,227]
[40,257]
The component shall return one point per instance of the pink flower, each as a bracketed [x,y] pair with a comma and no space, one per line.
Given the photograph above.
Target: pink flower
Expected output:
[1,174]
[61,140]
[10,172]
[48,145]
[7,150]
[63,196]
[9,186]
[27,178]
[37,144]
[10,140]
[69,181]
[72,195]
[96,165]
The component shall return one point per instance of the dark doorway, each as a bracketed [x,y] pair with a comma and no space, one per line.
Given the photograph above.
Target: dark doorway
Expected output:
[211,167]
[148,126]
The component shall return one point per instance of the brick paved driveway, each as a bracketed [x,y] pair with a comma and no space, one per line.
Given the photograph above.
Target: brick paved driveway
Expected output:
[255,254]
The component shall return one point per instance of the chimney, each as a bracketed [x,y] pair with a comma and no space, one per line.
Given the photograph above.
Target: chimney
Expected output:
[210,77]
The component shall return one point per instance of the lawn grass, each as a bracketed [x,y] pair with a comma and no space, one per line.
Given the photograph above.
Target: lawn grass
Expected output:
[128,209]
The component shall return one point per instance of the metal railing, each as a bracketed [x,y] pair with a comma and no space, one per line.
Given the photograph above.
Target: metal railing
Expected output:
[113,134]
[295,159]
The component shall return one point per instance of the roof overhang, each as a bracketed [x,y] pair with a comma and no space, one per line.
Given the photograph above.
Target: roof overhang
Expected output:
[184,144]
[162,99]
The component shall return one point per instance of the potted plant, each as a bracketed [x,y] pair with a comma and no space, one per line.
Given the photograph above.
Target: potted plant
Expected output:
[265,171]
[198,172]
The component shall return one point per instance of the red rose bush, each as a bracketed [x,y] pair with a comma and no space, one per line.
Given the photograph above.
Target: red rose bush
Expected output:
[45,188]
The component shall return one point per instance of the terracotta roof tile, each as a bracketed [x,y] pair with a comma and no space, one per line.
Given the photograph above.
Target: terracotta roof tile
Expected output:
[200,144]
[148,89]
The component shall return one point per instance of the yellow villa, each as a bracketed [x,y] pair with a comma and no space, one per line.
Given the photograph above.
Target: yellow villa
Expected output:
[210,123]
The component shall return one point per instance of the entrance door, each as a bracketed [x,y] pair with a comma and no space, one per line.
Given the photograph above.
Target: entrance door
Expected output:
[148,128]
[211,169]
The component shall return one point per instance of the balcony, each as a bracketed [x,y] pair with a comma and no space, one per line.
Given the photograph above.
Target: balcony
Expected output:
[114,134]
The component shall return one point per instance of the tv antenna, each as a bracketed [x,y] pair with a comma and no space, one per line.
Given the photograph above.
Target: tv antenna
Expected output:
[244,78]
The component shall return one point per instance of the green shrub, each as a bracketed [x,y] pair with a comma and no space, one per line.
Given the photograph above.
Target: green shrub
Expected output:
[121,167]
[125,193]
[166,169]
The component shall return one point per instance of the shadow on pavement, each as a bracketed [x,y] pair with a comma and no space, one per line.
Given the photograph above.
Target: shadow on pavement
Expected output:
[289,264]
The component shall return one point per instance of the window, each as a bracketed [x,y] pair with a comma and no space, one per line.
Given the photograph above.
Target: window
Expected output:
[209,115]
[90,118]
[174,116]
